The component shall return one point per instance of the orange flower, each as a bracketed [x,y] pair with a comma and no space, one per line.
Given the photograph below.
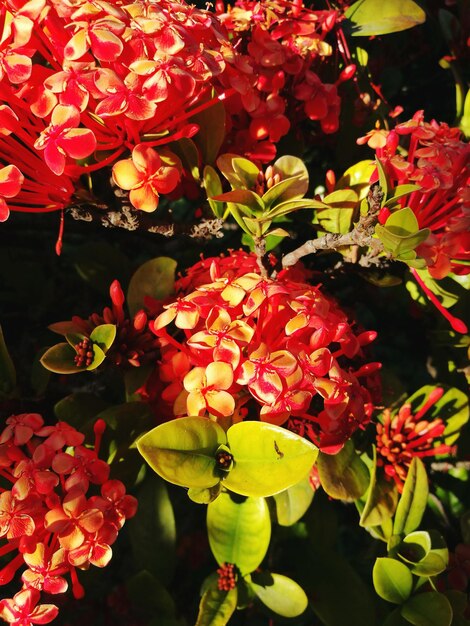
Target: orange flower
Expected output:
[147,175]
[207,390]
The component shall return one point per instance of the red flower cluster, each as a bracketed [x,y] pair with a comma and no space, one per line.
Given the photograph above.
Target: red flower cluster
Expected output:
[79,76]
[244,345]
[404,436]
[279,45]
[439,162]
[47,518]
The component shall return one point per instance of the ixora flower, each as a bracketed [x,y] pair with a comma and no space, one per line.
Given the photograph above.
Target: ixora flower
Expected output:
[264,349]
[147,175]
[437,159]
[402,436]
[48,520]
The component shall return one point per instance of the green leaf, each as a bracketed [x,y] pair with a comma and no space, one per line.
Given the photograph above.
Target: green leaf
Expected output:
[381,17]
[382,498]
[183,451]
[60,359]
[155,278]
[211,122]
[243,197]
[204,496]
[289,166]
[393,581]
[268,459]
[216,607]
[280,191]
[343,475]
[383,180]
[293,205]
[280,594]
[213,187]
[153,530]
[246,171]
[402,222]
[78,408]
[399,192]
[187,152]
[335,220]
[149,596]
[428,609]
[357,177]
[412,503]
[104,335]
[425,553]
[7,369]
[98,358]
[293,503]
[239,531]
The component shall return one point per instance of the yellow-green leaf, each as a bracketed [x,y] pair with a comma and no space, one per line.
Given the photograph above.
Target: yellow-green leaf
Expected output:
[280,594]
[183,451]
[412,503]
[381,17]
[216,607]
[155,278]
[393,581]
[343,475]
[293,503]
[267,458]
[239,531]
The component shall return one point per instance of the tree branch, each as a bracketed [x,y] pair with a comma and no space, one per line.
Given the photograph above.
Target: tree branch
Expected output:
[361,235]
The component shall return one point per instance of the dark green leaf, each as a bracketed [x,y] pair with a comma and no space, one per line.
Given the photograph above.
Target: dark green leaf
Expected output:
[153,531]
[343,475]
[428,609]
[60,359]
[393,581]
[149,596]
[213,187]
[381,501]
[7,369]
[211,122]
[155,278]
[188,154]
[239,531]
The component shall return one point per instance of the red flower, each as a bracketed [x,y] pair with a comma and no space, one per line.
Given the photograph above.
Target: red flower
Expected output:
[11,180]
[402,436]
[23,610]
[62,138]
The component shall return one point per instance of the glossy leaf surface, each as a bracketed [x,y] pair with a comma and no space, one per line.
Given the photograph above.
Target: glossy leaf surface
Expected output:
[343,475]
[393,581]
[280,594]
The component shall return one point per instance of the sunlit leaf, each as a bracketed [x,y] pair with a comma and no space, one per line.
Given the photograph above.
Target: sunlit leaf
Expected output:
[412,503]
[425,553]
[289,166]
[183,451]
[60,359]
[213,187]
[155,278]
[104,335]
[393,581]
[357,176]
[268,459]
[381,501]
[239,531]
[244,197]
[381,17]
[279,593]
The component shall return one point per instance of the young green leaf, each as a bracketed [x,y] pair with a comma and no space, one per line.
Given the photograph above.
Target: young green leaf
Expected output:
[279,593]
[104,336]
[183,451]
[412,503]
[293,503]
[393,581]
[239,531]
[216,607]
[381,17]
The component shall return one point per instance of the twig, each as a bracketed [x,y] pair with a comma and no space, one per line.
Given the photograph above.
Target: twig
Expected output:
[361,235]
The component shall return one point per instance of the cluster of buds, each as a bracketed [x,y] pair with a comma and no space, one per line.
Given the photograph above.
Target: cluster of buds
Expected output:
[134,345]
[227,577]
[48,521]
[437,159]
[248,346]
[405,435]
[281,46]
